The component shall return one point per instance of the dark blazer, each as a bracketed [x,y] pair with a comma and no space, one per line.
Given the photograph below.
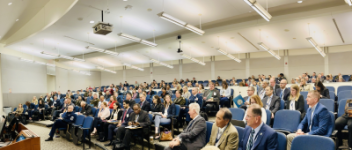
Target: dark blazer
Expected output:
[193,137]
[143,118]
[50,103]
[266,140]
[119,114]
[150,93]
[286,93]
[321,121]
[128,115]
[196,99]
[59,96]
[274,104]
[276,87]
[299,104]
[57,103]
[171,111]
[87,111]
[157,108]
[146,105]
[325,93]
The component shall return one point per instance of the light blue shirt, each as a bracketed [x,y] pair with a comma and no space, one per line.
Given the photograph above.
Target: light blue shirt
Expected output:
[256,130]
[268,102]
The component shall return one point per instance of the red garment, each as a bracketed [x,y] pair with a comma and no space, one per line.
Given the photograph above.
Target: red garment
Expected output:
[111,105]
[111,91]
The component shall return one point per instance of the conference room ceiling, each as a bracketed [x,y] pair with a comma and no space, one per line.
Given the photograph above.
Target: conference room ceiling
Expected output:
[222,20]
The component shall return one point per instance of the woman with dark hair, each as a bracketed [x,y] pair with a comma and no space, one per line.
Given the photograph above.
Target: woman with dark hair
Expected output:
[324,92]
[225,94]
[41,108]
[163,116]
[168,90]
[156,106]
[163,93]
[112,101]
[114,116]
[201,88]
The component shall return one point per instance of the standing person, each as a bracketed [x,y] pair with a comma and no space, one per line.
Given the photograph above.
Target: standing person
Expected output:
[257,135]
[225,94]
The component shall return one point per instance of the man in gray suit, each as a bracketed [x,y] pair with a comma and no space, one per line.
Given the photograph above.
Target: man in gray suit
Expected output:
[261,90]
[193,137]
[271,102]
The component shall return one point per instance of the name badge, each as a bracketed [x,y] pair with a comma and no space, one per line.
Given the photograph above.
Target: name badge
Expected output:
[127,115]
[72,118]
[196,99]
[215,94]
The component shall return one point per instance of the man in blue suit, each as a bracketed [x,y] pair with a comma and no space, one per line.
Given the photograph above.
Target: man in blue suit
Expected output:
[194,98]
[316,122]
[283,92]
[257,135]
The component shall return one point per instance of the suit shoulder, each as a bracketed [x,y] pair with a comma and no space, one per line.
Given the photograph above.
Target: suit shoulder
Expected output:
[269,131]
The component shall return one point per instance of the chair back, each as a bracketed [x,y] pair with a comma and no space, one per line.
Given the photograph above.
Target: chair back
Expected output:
[209,127]
[240,131]
[330,88]
[282,122]
[304,94]
[328,103]
[341,108]
[237,113]
[94,111]
[315,143]
[331,129]
[268,117]
[282,104]
[15,109]
[332,95]
[76,109]
[88,121]
[79,120]
[177,110]
[150,117]
[281,141]
[343,88]
[344,94]
[137,100]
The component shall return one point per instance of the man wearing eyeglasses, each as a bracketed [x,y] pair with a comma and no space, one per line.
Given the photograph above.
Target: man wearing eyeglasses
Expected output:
[247,99]
[283,92]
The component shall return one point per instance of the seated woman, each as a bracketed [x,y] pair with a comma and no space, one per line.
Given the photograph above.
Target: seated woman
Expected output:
[35,100]
[255,99]
[112,101]
[41,109]
[179,88]
[168,111]
[157,106]
[134,94]
[295,100]
[163,93]
[225,94]
[201,88]
[341,122]
[19,109]
[104,112]
[114,116]
[186,94]
[324,92]
[168,90]
[78,101]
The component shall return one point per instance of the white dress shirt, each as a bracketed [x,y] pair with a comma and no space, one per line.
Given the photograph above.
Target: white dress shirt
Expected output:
[220,132]
[225,92]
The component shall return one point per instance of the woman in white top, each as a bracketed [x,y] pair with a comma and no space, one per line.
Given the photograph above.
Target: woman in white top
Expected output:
[225,94]
[164,116]
[185,93]
[104,112]
[255,99]
[114,116]
[295,100]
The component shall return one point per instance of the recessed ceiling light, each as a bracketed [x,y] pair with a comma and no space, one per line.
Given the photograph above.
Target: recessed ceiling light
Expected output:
[299,2]
[125,0]
[286,30]
[91,21]
[9,4]
[149,9]
[17,19]
[294,38]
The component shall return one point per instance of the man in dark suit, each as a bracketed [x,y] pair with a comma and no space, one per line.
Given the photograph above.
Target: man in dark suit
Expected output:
[129,99]
[261,90]
[122,123]
[150,92]
[59,95]
[316,122]
[85,109]
[283,92]
[193,137]
[271,102]
[250,92]
[274,85]
[257,135]
[145,105]
[194,80]
[139,118]
[126,84]
[194,98]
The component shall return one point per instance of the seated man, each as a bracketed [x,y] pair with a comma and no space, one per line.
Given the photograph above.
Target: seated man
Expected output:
[261,90]
[68,117]
[316,122]
[63,109]
[271,102]
[257,135]
[145,105]
[193,137]
[250,92]
[85,109]
[283,92]
[211,98]
[129,99]
[194,98]
[123,122]
[138,118]
[223,134]
[56,105]
[304,86]
[95,100]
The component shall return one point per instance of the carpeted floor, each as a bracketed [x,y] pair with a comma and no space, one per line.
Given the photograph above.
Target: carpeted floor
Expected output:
[62,144]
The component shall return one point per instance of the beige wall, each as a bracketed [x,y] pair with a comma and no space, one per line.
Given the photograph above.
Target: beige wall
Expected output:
[50,81]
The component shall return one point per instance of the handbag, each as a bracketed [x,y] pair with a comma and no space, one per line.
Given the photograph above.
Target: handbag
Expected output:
[166,135]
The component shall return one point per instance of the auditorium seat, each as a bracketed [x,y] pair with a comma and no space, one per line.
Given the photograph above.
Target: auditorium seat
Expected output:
[332,95]
[209,127]
[346,77]
[341,107]
[282,104]
[240,131]
[285,124]
[312,142]
[237,113]
[268,117]
[83,131]
[328,103]
[344,95]
[281,141]
[304,94]
[343,88]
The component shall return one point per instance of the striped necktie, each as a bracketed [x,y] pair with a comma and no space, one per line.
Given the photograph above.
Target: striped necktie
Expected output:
[250,143]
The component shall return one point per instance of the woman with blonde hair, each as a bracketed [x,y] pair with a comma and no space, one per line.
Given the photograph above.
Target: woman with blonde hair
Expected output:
[179,88]
[186,94]
[35,100]
[168,111]
[295,100]
[104,112]
[255,99]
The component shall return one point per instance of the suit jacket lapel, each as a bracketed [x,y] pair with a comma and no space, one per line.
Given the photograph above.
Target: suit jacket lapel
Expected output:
[309,113]
[245,140]
[223,134]
[259,136]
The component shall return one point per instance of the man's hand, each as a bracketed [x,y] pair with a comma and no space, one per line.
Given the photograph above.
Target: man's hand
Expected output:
[272,115]
[129,123]
[299,132]
[52,106]
[174,142]
[136,123]
[204,98]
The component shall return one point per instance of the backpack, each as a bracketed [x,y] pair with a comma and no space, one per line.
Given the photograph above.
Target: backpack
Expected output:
[204,115]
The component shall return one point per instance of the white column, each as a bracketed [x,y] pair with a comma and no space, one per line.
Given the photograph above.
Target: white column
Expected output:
[247,65]
[212,68]
[326,61]
[286,63]
[1,98]
[151,71]
[180,63]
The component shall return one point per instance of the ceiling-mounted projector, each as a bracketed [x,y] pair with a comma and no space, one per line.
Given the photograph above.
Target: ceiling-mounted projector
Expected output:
[102,28]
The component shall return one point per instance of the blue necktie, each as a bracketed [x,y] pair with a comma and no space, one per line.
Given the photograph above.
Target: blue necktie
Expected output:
[250,143]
